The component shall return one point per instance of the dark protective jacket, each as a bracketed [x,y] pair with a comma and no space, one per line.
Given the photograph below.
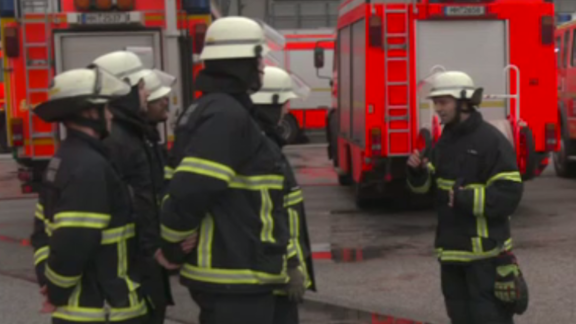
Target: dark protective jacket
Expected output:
[228,184]
[83,238]
[137,157]
[476,156]
[293,201]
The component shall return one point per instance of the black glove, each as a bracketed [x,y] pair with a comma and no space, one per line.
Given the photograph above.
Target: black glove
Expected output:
[510,286]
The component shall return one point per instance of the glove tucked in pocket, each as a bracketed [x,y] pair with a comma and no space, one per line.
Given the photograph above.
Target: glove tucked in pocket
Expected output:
[510,286]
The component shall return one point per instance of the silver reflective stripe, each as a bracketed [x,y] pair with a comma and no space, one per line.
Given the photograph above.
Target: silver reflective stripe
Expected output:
[204,166]
[122,314]
[205,243]
[256,182]
[80,314]
[221,276]
[255,41]
[118,234]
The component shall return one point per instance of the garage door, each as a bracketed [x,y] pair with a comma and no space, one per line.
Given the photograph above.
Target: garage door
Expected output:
[78,49]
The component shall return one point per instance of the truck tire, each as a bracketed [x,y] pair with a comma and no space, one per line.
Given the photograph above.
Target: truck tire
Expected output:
[360,200]
[3,135]
[332,137]
[289,129]
[346,179]
[562,165]
[528,157]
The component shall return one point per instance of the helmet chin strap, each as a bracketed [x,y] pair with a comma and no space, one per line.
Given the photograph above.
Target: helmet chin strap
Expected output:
[460,108]
[97,125]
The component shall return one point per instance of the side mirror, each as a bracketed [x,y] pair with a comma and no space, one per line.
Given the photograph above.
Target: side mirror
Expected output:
[318,57]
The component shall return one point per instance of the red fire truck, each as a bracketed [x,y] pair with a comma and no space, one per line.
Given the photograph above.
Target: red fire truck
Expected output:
[386,52]
[44,37]
[309,115]
[565,158]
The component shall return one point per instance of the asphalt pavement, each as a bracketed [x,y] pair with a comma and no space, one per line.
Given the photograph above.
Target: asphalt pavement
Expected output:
[392,270]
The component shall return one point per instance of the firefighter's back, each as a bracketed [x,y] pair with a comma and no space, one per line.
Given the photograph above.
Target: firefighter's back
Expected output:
[102,205]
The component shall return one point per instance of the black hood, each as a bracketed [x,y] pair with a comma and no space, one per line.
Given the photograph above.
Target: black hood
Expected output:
[232,76]
[127,109]
[269,123]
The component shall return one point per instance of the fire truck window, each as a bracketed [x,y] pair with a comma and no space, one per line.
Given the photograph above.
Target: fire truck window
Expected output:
[565,49]
[573,60]
[558,46]
[344,80]
[359,82]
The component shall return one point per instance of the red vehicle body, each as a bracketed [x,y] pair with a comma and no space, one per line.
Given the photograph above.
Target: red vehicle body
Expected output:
[565,158]
[386,53]
[307,116]
[41,41]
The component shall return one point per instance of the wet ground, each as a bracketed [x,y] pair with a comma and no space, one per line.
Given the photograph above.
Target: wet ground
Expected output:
[389,266]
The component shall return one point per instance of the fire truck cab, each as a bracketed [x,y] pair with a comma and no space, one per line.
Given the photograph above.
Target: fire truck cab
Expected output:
[565,158]
[44,37]
[388,51]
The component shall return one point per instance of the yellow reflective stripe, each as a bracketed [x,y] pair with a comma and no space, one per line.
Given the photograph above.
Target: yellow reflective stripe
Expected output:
[123,314]
[74,299]
[431,167]
[205,242]
[86,314]
[174,236]
[233,277]
[60,280]
[80,314]
[41,254]
[39,213]
[261,182]
[168,173]
[163,201]
[293,198]
[467,256]
[295,234]
[266,235]
[117,234]
[81,219]
[207,168]
[445,184]
[421,189]
[509,176]
[477,245]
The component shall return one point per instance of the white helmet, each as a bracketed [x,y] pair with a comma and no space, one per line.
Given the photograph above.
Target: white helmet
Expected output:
[158,84]
[123,64]
[75,90]
[234,37]
[276,88]
[452,83]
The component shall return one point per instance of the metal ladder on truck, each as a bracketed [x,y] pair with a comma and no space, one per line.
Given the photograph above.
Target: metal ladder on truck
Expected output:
[399,112]
[42,14]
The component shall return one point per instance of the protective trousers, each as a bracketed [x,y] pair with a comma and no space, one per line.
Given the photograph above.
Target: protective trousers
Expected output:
[286,311]
[469,293]
[235,308]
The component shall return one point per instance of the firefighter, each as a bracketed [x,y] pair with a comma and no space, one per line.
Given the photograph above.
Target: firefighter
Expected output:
[228,184]
[478,187]
[270,104]
[130,151]
[83,235]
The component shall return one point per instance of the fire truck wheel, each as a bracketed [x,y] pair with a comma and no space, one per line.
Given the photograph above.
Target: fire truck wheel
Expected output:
[362,202]
[562,165]
[289,129]
[528,157]
[3,136]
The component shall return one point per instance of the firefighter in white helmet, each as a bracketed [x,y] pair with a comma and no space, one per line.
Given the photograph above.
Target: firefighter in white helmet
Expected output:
[227,178]
[130,151]
[478,187]
[83,206]
[270,104]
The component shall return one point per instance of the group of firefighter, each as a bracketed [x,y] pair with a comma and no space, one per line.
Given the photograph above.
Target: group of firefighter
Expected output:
[118,214]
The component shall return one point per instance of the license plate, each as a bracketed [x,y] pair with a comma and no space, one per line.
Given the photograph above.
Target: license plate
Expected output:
[465,11]
[105,18]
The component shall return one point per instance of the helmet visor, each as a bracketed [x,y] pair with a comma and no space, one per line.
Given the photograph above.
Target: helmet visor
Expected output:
[159,84]
[274,39]
[109,86]
[300,88]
